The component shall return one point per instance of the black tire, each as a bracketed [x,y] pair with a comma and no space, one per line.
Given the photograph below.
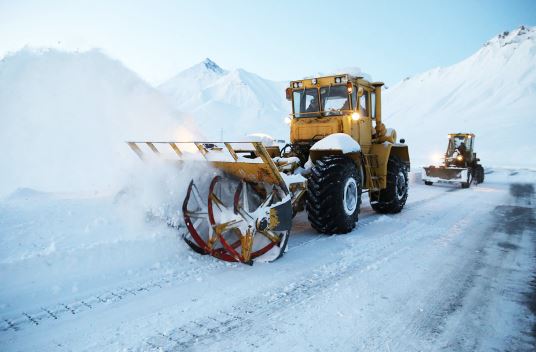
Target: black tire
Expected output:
[331,188]
[428,183]
[393,198]
[470,177]
[479,174]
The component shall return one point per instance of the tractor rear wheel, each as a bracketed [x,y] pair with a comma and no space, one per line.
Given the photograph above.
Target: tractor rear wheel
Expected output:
[333,195]
[393,198]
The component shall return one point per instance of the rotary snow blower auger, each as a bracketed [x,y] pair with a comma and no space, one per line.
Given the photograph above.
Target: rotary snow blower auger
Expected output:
[338,148]
[246,213]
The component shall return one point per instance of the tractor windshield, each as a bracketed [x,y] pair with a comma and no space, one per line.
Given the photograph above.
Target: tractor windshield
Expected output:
[458,145]
[306,103]
[334,99]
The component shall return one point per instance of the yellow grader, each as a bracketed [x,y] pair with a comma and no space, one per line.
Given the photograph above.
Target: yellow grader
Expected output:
[460,164]
[338,148]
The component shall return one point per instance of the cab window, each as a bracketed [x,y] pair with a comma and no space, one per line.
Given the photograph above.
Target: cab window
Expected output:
[364,104]
[373,104]
[306,103]
[334,100]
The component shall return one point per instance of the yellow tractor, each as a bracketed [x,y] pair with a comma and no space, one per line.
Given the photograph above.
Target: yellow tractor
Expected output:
[460,164]
[338,148]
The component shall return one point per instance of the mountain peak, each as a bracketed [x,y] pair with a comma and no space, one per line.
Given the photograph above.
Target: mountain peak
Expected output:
[212,66]
[516,36]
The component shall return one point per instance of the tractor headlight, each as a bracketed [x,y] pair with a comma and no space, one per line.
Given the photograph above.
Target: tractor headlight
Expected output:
[459,158]
[288,120]
[355,116]
[338,79]
[314,81]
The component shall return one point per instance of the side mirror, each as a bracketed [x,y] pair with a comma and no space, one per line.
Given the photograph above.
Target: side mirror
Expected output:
[402,140]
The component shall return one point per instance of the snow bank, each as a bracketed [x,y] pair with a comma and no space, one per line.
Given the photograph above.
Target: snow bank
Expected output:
[55,246]
[64,118]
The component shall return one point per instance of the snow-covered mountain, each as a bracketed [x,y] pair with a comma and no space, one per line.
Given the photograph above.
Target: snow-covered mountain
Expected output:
[64,118]
[492,93]
[65,115]
[230,103]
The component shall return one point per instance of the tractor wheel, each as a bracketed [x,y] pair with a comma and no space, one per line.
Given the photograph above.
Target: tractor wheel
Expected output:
[393,198]
[333,195]
[470,177]
[479,174]
[428,183]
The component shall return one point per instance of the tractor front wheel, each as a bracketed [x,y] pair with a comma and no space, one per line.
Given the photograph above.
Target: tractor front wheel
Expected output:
[479,174]
[333,195]
[393,198]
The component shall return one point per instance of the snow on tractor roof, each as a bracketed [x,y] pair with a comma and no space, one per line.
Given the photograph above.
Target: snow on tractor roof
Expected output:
[337,141]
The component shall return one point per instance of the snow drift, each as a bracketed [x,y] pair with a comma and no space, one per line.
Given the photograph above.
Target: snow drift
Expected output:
[492,94]
[64,118]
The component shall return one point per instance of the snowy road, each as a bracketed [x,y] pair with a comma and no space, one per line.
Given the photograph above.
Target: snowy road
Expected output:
[452,272]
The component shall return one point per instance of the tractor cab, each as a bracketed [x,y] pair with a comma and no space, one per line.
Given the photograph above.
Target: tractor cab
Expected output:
[459,149]
[327,105]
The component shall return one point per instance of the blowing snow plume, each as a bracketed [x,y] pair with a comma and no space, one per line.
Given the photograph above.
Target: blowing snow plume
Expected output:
[64,118]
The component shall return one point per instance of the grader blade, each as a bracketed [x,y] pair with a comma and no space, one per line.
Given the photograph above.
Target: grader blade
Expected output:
[445,174]
[245,214]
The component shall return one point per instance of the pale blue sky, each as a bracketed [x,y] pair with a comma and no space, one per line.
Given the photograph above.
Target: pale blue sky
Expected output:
[277,39]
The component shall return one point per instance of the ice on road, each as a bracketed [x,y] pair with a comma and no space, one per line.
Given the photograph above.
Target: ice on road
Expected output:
[451,272]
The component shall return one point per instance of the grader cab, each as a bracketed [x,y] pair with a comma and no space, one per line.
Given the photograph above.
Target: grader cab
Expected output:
[338,148]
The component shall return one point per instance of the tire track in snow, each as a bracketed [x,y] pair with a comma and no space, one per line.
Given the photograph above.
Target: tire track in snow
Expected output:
[36,317]
[252,310]
[370,218]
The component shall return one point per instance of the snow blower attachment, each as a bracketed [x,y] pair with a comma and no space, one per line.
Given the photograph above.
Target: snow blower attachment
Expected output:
[246,213]
[460,164]
[338,148]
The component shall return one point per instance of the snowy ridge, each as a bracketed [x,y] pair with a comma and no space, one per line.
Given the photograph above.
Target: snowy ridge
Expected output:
[233,103]
[492,93]
[185,88]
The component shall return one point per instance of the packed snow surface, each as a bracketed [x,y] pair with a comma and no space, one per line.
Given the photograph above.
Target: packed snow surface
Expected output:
[447,273]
